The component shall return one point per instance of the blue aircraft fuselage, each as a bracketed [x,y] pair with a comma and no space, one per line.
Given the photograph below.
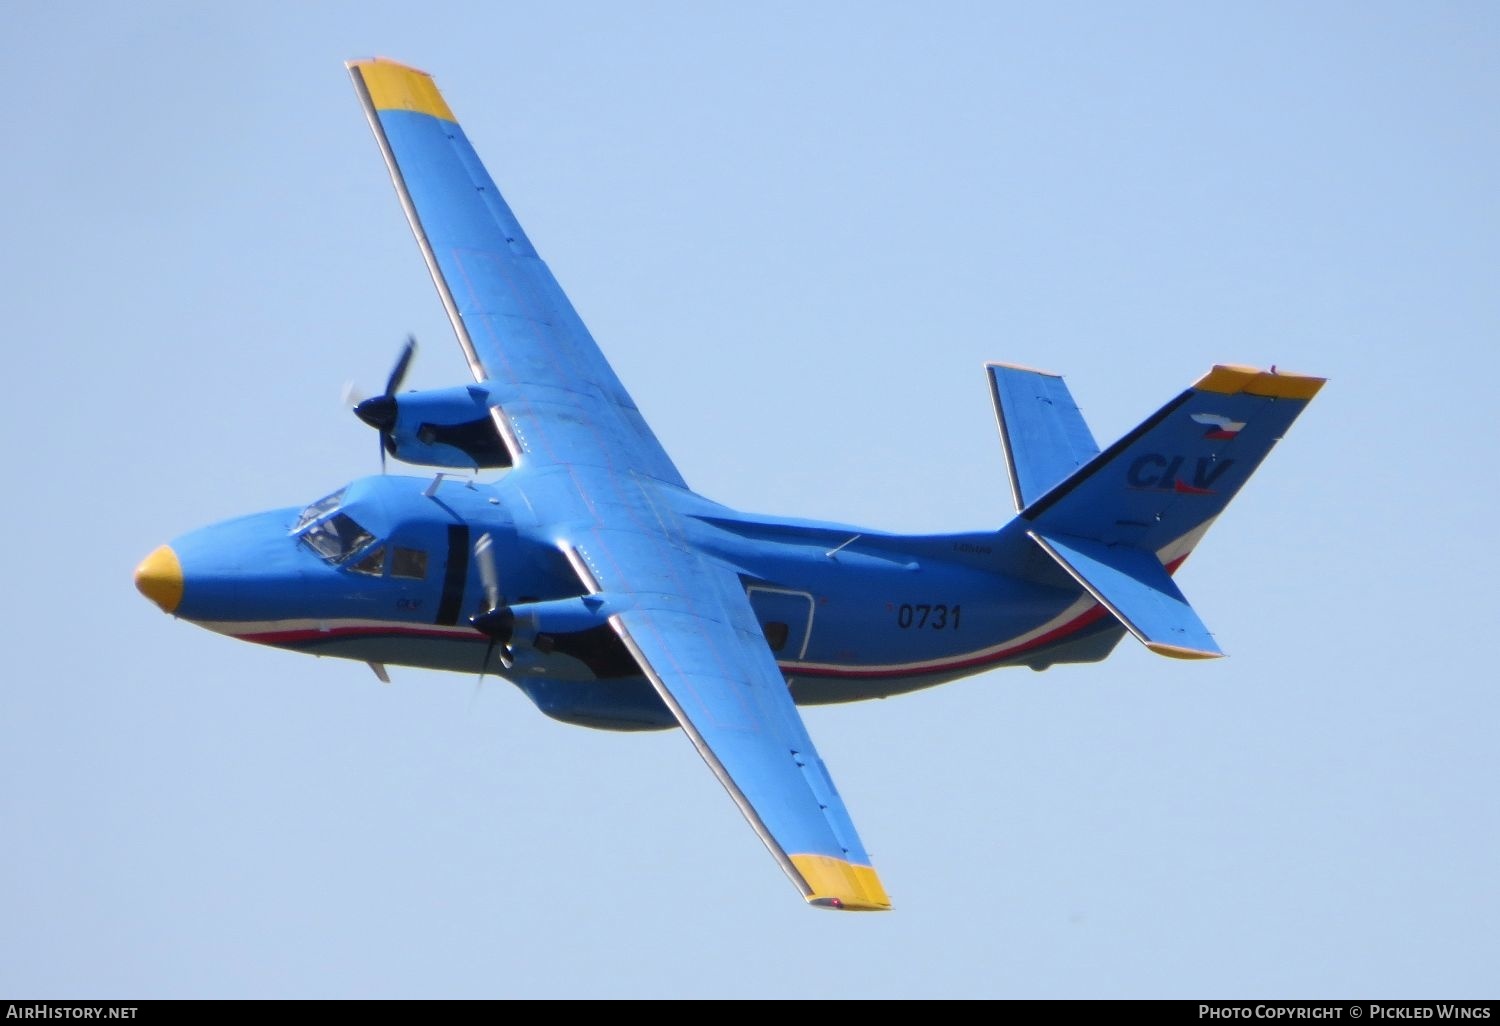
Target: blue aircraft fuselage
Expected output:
[384,571]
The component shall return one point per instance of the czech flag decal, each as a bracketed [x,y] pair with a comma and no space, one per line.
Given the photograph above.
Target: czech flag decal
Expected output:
[1218,427]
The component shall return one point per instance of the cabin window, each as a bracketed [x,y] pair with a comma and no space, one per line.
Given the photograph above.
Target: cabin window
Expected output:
[776,634]
[410,563]
[337,538]
[373,564]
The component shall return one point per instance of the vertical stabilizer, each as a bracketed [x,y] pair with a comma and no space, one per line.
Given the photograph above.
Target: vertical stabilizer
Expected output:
[1175,472]
[1121,523]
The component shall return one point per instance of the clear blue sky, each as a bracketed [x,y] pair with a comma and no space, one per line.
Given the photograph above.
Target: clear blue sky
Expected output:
[798,231]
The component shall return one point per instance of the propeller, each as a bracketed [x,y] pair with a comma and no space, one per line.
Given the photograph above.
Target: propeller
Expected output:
[380,411]
[498,620]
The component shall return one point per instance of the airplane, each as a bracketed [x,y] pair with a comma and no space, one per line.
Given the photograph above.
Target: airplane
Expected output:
[588,574]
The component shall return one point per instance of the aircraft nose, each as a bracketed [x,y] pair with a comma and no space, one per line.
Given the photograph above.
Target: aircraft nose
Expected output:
[159,578]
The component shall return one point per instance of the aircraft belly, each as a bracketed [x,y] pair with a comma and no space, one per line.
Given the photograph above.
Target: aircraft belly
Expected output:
[561,685]
[1092,642]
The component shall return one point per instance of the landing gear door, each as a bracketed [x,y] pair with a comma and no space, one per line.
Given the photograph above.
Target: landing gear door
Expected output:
[786,618]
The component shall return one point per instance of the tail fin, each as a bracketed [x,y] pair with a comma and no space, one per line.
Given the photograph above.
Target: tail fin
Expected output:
[1169,478]
[1043,432]
[1122,522]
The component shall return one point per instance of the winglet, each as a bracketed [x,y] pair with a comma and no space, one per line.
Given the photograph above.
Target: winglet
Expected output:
[841,885]
[396,86]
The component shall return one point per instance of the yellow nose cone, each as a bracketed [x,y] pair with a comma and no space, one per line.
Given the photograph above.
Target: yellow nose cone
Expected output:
[159,578]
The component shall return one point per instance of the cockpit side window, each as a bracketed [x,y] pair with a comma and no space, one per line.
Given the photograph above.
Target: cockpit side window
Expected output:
[373,564]
[327,504]
[410,563]
[337,538]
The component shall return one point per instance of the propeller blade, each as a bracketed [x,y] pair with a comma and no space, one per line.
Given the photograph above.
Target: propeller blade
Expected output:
[496,620]
[507,657]
[403,364]
[484,555]
[507,660]
[381,411]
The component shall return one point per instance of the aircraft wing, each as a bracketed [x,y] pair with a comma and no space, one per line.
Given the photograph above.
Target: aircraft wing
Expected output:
[554,397]
[691,628]
[558,405]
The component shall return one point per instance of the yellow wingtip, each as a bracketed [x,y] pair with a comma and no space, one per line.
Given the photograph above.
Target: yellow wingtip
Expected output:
[396,86]
[838,884]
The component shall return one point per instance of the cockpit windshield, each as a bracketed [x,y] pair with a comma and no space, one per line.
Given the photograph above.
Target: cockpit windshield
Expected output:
[324,505]
[337,538]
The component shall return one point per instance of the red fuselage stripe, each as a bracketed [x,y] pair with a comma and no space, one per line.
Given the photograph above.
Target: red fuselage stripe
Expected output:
[307,635]
[1071,627]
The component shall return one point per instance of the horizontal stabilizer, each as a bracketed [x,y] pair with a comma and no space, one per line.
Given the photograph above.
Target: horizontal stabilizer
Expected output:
[1043,432]
[1134,586]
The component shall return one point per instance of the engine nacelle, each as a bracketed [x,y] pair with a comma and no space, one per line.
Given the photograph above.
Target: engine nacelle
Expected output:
[533,624]
[443,427]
